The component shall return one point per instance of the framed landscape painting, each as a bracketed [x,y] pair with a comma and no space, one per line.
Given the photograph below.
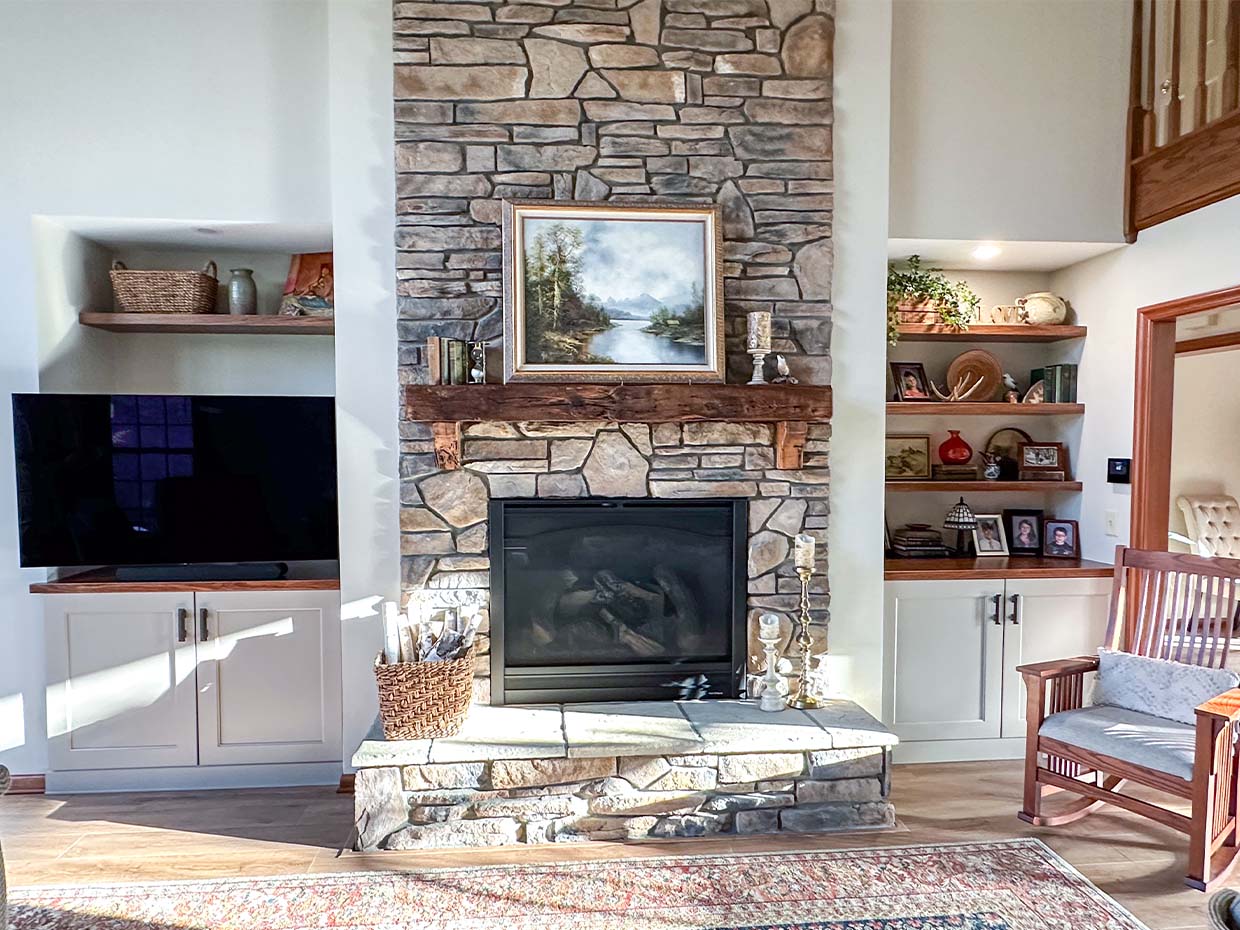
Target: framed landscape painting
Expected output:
[610,292]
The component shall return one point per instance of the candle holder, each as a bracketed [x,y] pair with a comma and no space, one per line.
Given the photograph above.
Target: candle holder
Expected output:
[759,361]
[803,700]
[771,681]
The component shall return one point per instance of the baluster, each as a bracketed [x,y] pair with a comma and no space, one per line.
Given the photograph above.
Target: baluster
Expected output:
[1149,127]
[1231,69]
[1174,126]
[1199,93]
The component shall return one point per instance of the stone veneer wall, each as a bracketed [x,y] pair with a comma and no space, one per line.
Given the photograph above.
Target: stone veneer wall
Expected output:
[724,101]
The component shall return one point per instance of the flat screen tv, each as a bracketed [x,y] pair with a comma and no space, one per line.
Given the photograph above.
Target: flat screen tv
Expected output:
[171,480]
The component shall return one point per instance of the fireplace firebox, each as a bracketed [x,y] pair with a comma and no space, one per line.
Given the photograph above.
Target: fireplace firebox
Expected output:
[617,600]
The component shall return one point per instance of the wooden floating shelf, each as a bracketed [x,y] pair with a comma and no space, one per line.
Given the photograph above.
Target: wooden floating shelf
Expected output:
[104,581]
[972,487]
[791,407]
[204,323]
[993,568]
[936,332]
[993,409]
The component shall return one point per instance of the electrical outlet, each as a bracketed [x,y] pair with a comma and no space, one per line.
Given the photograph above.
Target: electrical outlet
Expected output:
[1111,520]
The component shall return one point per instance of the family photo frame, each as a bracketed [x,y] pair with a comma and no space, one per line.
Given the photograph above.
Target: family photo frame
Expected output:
[1024,531]
[911,382]
[613,292]
[1061,539]
[1043,461]
[988,535]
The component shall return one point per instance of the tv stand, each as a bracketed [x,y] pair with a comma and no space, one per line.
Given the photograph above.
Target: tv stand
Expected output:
[249,571]
[299,577]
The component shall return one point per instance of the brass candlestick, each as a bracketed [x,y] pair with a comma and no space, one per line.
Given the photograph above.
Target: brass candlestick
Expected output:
[803,700]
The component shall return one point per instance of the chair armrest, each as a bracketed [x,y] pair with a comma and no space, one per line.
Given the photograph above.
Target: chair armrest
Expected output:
[1225,706]
[1058,668]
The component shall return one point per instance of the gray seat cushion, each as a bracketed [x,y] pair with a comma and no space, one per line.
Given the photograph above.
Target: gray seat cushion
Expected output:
[1152,742]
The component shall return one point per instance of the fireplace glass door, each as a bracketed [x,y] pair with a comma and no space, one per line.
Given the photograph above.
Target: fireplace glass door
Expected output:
[599,600]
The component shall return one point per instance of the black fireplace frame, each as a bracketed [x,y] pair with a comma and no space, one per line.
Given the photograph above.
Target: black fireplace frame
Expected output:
[591,683]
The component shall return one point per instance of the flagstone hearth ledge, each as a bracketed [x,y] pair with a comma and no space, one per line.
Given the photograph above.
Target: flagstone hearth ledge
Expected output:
[555,773]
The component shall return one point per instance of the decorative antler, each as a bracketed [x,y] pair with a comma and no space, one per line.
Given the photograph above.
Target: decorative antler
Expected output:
[962,389]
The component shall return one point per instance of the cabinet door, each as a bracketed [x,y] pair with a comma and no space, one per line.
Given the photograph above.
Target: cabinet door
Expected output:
[1048,618]
[944,659]
[268,676]
[120,672]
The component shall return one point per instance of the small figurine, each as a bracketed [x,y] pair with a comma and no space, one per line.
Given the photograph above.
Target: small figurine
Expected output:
[477,363]
[783,375]
[1011,395]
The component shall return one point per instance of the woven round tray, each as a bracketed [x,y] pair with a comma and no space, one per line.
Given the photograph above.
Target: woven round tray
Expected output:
[424,700]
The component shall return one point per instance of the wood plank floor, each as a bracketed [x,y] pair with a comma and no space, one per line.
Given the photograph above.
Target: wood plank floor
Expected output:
[136,837]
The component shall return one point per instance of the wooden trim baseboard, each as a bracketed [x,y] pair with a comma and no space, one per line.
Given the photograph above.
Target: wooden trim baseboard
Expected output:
[28,784]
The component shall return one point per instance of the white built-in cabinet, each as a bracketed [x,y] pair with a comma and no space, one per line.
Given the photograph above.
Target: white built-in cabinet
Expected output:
[142,680]
[951,690]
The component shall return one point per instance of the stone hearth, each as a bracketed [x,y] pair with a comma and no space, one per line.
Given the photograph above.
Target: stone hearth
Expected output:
[565,773]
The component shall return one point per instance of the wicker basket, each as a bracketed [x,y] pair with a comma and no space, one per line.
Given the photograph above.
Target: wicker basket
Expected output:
[424,700]
[165,291]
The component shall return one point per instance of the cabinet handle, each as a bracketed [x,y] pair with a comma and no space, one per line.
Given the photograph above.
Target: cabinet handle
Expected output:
[998,602]
[182,625]
[1018,609]
[203,635]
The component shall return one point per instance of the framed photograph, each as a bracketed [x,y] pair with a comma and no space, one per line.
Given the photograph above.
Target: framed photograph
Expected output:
[908,458]
[1038,459]
[988,535]
[911,381]
[1024,531]
[612,292]
[1061,539]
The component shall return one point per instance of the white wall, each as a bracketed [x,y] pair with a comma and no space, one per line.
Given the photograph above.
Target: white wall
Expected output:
[858,344]
[185,109]
[1187,255]
[1205,432]
[1008,119]
[363,206]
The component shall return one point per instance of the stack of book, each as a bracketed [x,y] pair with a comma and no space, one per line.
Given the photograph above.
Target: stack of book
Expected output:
[953,472]
[918,542]
[447,360]
[1060,383]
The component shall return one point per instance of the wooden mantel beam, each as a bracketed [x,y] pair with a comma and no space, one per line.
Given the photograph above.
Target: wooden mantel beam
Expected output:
[627,403]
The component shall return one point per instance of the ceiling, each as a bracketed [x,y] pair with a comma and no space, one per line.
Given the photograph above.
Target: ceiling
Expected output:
[121,232]
[957,254]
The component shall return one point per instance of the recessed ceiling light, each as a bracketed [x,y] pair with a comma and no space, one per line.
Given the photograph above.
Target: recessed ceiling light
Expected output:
[207,230]
[986,251]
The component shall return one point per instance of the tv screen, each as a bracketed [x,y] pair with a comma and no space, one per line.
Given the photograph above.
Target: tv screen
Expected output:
[130,479]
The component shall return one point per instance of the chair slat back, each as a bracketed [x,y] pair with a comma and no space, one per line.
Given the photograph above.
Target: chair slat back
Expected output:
[1169,605]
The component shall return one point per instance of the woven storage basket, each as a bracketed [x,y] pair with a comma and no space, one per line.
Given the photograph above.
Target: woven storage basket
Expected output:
[165,291]
[424,700]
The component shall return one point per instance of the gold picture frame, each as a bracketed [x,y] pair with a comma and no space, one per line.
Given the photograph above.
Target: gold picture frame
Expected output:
[522,339]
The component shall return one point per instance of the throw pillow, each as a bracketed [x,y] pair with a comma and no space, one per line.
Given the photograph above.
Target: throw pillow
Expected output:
[1171,690]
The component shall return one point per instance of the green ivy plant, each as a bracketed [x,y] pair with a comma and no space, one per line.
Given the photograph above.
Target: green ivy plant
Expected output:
[956,303]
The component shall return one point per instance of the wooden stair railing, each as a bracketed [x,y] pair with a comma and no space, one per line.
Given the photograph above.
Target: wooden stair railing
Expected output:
[1182,158]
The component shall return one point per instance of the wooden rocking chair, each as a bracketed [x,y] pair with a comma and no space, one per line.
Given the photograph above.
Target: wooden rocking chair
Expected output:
[1165,606]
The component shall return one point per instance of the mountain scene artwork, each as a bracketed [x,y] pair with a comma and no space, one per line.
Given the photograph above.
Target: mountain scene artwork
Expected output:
[615,290]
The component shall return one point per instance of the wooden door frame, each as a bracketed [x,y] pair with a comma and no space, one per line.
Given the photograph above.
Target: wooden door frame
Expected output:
[1152,416]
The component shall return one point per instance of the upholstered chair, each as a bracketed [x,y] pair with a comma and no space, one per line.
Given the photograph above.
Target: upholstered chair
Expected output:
[1213,524]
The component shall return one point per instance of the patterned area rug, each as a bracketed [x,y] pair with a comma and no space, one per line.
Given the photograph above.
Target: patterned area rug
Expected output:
[1012,885]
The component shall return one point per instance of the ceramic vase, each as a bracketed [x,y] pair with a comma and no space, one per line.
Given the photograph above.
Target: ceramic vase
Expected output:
[242,292]
[954,450]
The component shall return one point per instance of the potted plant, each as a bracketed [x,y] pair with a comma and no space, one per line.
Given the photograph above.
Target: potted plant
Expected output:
[924,295]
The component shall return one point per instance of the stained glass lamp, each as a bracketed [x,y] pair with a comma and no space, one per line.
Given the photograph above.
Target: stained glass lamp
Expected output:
[960,518]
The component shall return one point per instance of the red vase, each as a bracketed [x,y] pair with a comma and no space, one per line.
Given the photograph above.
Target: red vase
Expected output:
[954,450]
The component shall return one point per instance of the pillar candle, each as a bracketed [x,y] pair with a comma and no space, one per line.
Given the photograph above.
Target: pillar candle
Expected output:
[803,551]
[759,331]
[768,626]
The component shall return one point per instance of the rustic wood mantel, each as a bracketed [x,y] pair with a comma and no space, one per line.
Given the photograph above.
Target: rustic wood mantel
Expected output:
[789,406]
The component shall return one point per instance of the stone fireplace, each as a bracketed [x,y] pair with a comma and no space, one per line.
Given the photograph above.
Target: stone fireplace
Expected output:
[617,600]
[634,101]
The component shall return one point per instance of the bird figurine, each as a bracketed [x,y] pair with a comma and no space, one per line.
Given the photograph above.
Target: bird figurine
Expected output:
[1011,395]
[782,374]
